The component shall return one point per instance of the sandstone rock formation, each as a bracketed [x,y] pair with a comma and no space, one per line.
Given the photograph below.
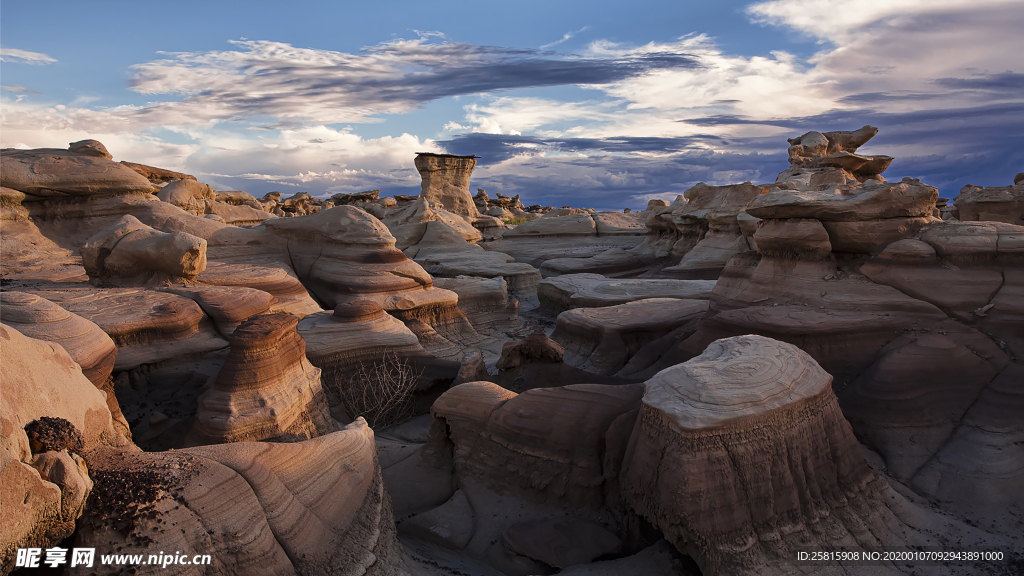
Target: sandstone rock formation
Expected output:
[311,507]
[55,173]
[131,253]
[999,204]
[743,453]
[44,485]
[445,179]
[84,341]
[560,293]
[604,340]
[266,390]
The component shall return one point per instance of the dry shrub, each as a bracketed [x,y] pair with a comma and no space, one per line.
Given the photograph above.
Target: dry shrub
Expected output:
[381,392]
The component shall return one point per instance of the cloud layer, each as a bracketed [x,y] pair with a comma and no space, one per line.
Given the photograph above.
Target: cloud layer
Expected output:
[943,80]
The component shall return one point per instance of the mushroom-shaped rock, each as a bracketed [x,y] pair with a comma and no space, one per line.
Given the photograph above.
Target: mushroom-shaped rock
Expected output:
[445,179]
[46,398]
[227,306]
[602,340]
[84,341]
[738,449]
[90,148]
[313,507]
[266,390]
[61,173]
[129,252]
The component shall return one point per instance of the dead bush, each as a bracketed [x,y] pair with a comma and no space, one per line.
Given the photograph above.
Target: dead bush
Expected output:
[381,392]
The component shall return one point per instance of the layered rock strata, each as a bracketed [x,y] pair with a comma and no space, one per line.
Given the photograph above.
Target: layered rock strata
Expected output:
[312,507]
[998,204]
[560,293]
[83,340]
[603,340]
[266,389]
[445,180]
[742,452]
[131,253]
[45,484]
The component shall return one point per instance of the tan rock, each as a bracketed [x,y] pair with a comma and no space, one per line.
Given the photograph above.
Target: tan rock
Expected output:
[131,253]
[42,495]
[227,306]
[11,209]
[84,341]
[445,179]
[871,236]
[1000,204]
[148,327]
[60,173]
[189,195]
[617,223]
[872,201]
[90,148]
[802,238]
[312,507]
[266,390]
[156,175]
[554,226]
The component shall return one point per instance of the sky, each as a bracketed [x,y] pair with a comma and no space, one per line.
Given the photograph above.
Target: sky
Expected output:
[602,104]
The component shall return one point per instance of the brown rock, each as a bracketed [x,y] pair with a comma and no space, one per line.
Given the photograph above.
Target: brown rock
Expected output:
[155,175]
[266,390]
[131,253]
[312,507]
[90,148]
[536,347]
[60,173]
[602,340]
[802,238]
[446,181]
[745,444]
[1005,204]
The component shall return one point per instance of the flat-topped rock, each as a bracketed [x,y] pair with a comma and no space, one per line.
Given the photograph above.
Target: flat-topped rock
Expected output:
[1000,204]
[736,430]
[55,173]
[554,226]
[603,340]
[155,175]
[570,291]
[445,180]
[147,326]
[266,275]
[736,379]
[266,389]
[907,199]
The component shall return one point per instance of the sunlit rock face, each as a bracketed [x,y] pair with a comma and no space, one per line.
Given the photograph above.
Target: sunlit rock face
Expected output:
[131,253]
[311,507]
[55,173]
[84,341]
[445,179]
[44,481]
[266,389]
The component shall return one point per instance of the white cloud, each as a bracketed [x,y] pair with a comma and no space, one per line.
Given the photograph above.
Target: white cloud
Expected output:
[14,55]
[565,37]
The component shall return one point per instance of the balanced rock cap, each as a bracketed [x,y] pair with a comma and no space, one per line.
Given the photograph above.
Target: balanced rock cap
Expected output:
[735,379]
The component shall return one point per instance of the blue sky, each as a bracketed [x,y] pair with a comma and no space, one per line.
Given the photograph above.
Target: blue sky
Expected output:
[593,104]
